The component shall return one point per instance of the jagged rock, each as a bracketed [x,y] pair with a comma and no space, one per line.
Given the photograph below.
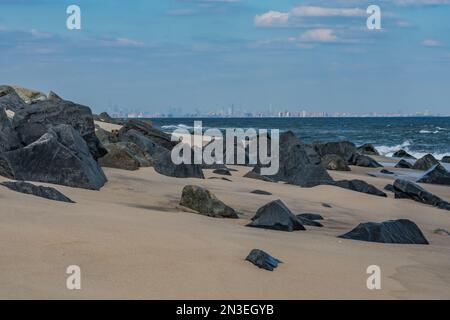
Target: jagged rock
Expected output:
[361,160]
[400,231]
[308,222]
[104,136]
[223,171]
[9,99]
[436,175]
[402,154]
[53,96]
[310,216]
[39,191]
[334,162]
[295,167]
[389,187]
[384,171]
[34,120]
[60,156]
[262,260]
[369,149]
[205,203]
[425,163]
[145,128]
[9,140]
[161,157]
[405,189]
[28,95]
[275,215]
[446,159]
[404,164]
[105,117]
[261,192]
[359,186]
[344,149]
[119,157]
[312,154]
[257,176]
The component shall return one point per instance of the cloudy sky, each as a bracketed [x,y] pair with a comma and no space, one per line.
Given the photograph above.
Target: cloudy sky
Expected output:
[206,54]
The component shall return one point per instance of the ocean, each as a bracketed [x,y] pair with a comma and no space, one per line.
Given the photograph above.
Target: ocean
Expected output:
[416,135]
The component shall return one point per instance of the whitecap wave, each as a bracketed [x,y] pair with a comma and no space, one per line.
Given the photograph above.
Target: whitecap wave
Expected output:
[428,131]
[388,151]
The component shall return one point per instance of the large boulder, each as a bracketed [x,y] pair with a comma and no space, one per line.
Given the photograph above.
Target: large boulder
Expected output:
[334,162]
[105,117]
[262,260]
[9,99]
[405,189]
[445,159]
[9,140]
[425,163]
[361,160]
[204,202]
[369,149]
[29,95]
[400,231]
[402,154]
[359,186]
[403,164]
[119,157]
[344,149]
[34,120]
[38,191]
[161,157]
[147,130]
[60,156]
[436,175]
[275,215]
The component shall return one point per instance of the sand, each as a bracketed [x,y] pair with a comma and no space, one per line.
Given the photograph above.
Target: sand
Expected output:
[132,241]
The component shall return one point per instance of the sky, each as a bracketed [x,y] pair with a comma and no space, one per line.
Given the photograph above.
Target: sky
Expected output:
[189,55]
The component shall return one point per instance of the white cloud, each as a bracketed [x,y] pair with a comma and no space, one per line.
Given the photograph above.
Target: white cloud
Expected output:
[319,35]
[271,18]
[311,11]
[431,43]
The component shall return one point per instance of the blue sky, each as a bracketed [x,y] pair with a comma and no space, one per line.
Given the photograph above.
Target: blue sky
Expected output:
[155,55]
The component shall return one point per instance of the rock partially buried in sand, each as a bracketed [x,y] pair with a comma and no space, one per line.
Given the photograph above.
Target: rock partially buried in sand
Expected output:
[361,160]
[403,164]
[276,216]
[359,186]
[344,149]
[443,232]
[39,191]
[222,171]
[204,202]
[334,162]
[262,260]
[311,216]
[369,149]
[60,156]
[119,157]
[308,222]
[257,176]
[384,171]
[425,163]
[405,189]
[261,192]
[389,187]
[436,175]
[400,231]
[402,154]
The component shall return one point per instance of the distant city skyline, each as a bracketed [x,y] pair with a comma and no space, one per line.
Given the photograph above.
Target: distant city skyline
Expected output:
[209,56]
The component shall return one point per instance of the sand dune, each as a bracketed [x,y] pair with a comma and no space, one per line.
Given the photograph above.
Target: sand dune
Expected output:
[131,240]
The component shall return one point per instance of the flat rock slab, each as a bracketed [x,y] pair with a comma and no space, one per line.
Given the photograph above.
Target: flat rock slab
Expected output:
[401,231]
[405,189]
[311,216]
[38,191]
[261,192]
[222,171]
[308,222]
[262,260]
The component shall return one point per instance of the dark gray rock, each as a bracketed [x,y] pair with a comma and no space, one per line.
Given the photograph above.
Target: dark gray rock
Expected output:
[389,187]
[224,172]
[402,154]
[400,231]
[9,99]
[262,260]
[436,175]
[39,191]
[220,178]
[119,157]
[327,205]
[446,159]
[334,162]
[344,149]
[60,156]
[147,130]
[369,149]
[32,121]
[384,171]
[204,202]
[443,232]
[257,176]
[105,117]
[261,192]
[425,163]
[361,160]
[405,189]
[9,140]
[308,222]
[161,157]
[309,176]
[275,215]
[359,186]
[310,216]
[404,164]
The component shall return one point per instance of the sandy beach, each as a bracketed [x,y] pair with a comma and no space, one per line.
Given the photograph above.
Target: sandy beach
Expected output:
[132,240]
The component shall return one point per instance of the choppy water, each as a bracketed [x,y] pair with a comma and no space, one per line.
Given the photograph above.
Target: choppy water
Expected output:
[418,136]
